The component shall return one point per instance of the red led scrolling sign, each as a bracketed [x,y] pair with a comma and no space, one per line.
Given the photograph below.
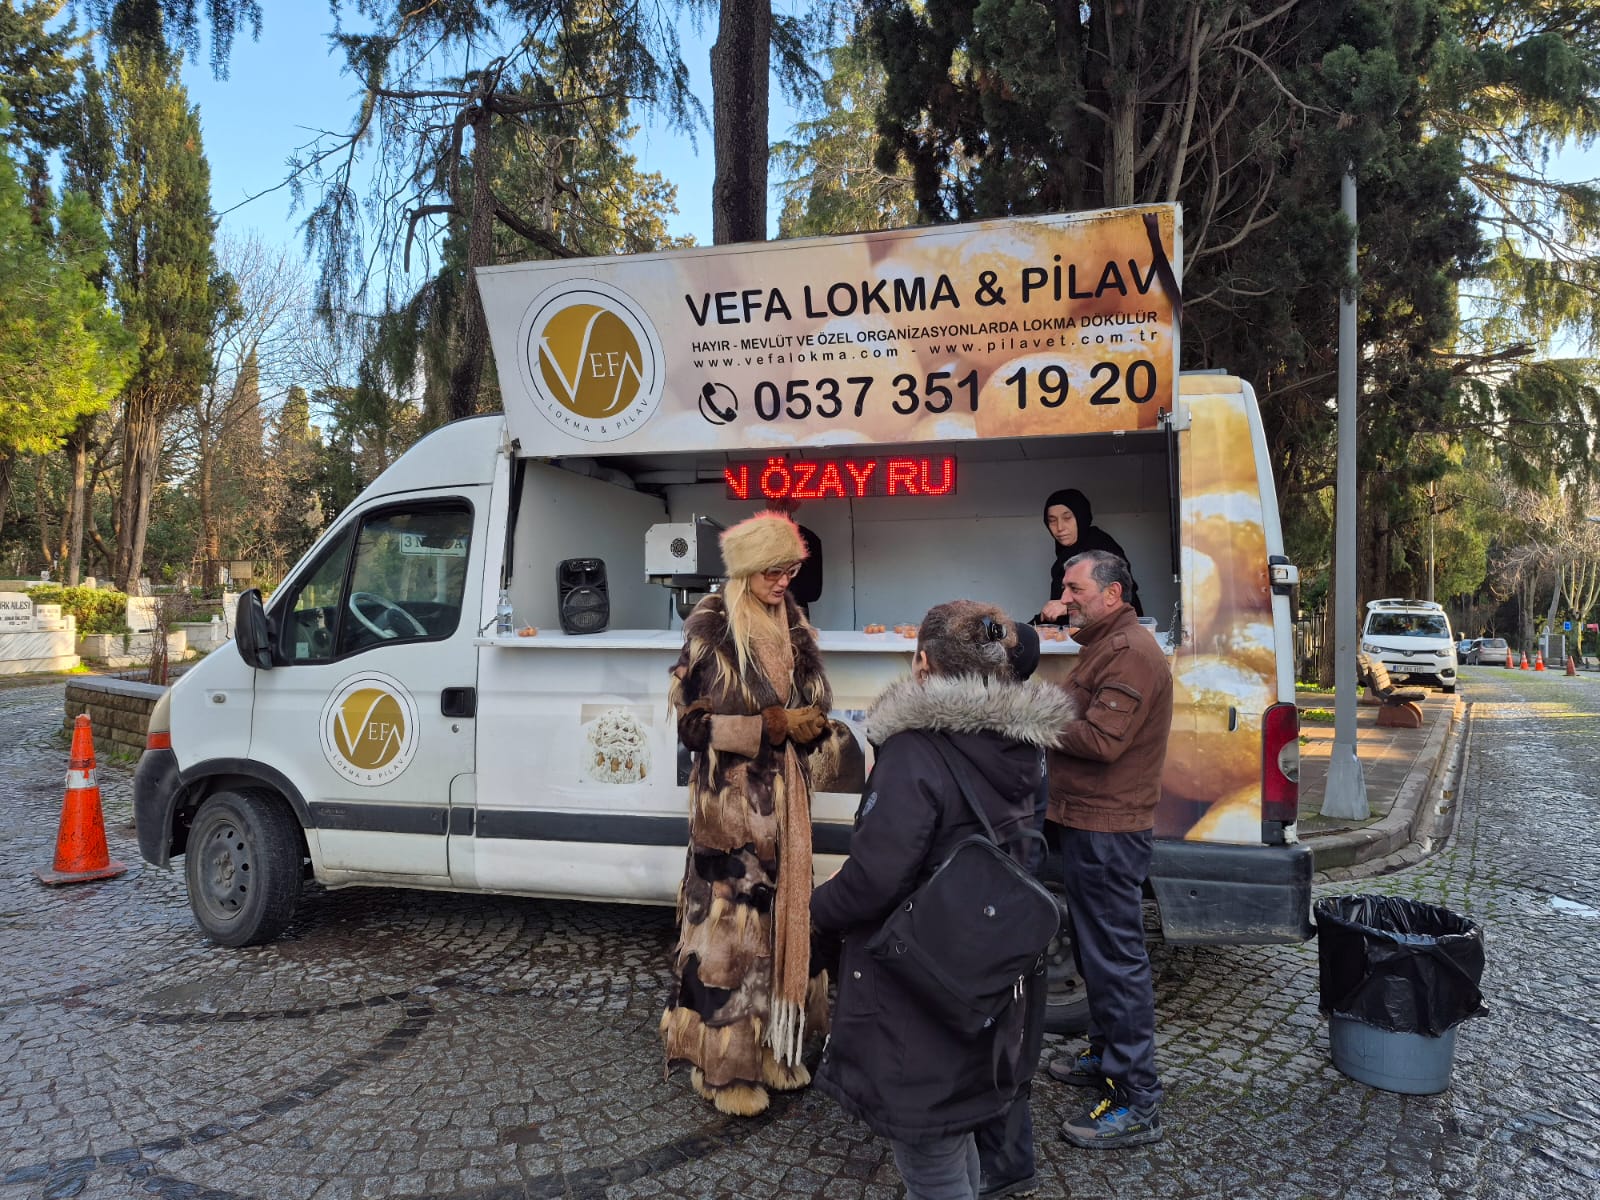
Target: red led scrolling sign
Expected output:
[841,478]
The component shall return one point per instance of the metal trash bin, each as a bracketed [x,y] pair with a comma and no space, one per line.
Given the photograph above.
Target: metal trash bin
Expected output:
[1397,976]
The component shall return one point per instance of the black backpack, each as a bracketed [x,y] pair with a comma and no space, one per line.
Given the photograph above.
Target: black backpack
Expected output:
[965,940]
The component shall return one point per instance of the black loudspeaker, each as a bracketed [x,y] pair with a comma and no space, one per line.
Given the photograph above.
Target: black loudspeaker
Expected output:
[583,601]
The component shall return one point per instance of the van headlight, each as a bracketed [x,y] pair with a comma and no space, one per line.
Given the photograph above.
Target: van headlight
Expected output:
[1369,648]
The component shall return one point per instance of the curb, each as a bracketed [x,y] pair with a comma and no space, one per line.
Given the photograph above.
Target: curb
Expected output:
[1409,815]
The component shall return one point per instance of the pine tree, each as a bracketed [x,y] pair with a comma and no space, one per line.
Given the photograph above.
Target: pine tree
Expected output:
[41,58]
[62,354]
[165,279]
[830,180]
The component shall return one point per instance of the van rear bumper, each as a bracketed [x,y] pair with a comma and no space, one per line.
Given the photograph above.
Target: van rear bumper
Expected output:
[1237,895]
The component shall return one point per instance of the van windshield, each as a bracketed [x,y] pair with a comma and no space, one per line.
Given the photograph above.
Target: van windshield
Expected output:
[1431,625]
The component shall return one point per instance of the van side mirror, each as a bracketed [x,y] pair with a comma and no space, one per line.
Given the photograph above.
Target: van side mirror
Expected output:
[251,633]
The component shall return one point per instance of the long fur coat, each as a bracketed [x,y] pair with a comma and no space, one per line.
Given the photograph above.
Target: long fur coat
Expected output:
[720,1004]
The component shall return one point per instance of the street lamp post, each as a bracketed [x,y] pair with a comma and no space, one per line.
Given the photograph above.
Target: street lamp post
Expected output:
[1431,486]
[1346,794]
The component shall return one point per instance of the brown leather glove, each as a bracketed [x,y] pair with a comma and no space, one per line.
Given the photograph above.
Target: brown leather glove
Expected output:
[776,720]
[807,724]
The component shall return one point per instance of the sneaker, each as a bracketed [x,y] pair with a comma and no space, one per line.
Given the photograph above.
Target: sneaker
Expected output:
[991,1189]
[1079,1070]
[1114,1122]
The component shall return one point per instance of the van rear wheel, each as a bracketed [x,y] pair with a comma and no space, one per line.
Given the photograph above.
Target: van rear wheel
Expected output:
[242,867]
[1067,1000]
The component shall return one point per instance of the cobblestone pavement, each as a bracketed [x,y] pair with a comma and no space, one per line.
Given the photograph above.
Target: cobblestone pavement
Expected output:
[411,1044]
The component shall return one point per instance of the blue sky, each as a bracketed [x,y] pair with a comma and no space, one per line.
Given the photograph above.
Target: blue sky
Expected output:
[253,123]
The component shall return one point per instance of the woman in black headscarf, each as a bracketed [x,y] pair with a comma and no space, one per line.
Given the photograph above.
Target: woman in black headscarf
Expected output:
[1070,521]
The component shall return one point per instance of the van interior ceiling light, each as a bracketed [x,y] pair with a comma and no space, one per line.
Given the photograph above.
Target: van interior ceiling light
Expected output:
[777,478]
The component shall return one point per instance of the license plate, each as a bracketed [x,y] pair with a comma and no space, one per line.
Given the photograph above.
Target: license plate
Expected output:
[1398,674]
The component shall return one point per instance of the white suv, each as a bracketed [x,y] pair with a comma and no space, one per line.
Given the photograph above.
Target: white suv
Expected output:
[1413,639]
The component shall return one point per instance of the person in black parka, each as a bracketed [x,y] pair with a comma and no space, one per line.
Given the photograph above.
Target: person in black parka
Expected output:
[1070,520]
[888,1061]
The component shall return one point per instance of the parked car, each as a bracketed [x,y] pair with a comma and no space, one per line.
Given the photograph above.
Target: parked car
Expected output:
[1464,649]
[1412,639]
[1487,652]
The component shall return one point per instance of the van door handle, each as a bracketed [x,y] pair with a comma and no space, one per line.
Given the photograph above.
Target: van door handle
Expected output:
[459,702]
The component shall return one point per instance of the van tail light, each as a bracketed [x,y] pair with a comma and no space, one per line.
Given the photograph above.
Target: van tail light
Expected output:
[1280,764]
[158,741]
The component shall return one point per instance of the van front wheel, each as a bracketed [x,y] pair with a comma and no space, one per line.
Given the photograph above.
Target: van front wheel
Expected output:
[242,868]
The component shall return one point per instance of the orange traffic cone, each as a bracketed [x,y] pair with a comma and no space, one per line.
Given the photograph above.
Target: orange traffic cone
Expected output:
[1509,663]
[1538,660]
[1524,664]
[1572,665]
[81,852]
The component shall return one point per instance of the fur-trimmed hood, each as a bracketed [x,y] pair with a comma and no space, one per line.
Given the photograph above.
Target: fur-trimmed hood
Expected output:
[1032,712]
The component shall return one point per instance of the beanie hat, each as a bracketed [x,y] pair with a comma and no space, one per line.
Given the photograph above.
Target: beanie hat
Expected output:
[759,543]
[1075,500]
[1024,656]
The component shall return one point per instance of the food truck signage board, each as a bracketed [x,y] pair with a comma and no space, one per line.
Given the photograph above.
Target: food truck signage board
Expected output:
[780,478]
[1023,327]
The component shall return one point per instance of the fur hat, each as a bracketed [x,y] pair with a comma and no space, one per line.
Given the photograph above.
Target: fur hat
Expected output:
[964,637]
[760,543]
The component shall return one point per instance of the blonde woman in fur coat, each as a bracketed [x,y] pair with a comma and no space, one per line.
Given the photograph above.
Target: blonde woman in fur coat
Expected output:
[751,698]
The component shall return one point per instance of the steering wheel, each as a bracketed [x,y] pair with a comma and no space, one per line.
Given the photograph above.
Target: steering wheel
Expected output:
[389,610]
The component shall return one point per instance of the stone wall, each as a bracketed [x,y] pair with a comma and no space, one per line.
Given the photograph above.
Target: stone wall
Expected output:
[119,711]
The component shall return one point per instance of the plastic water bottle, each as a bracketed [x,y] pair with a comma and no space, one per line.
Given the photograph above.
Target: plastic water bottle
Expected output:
[502,615]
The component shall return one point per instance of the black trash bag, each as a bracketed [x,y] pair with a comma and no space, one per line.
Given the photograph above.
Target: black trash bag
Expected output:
[1398,964]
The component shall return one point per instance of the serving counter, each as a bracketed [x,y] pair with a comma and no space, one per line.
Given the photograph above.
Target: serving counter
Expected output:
[858,664]
[830,641]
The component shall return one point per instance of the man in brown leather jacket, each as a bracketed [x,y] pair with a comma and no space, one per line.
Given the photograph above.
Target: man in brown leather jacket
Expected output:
[1104,784]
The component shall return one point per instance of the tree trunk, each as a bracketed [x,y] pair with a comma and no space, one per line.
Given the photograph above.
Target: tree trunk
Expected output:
[1381,534]
[467,373]
[92,531]
[7,463]
[210,525]
[141,451]
[41,512]
[77,497]
[1529,590]
[1115,84]
[1122,131]
[1555,604]
[739,75]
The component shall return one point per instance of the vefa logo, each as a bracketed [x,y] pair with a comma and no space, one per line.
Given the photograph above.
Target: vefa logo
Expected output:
[592,359]
[601,371]
[369,729]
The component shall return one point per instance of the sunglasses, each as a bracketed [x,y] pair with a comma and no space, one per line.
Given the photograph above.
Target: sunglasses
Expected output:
[773,574]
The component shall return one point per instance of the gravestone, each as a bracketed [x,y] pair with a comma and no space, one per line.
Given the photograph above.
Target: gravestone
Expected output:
[16,613]
[141,613]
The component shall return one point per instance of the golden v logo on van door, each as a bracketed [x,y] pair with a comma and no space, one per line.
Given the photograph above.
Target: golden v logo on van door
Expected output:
[593,360]
[369,729]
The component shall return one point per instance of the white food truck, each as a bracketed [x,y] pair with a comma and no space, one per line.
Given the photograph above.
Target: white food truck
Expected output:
[918,393]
